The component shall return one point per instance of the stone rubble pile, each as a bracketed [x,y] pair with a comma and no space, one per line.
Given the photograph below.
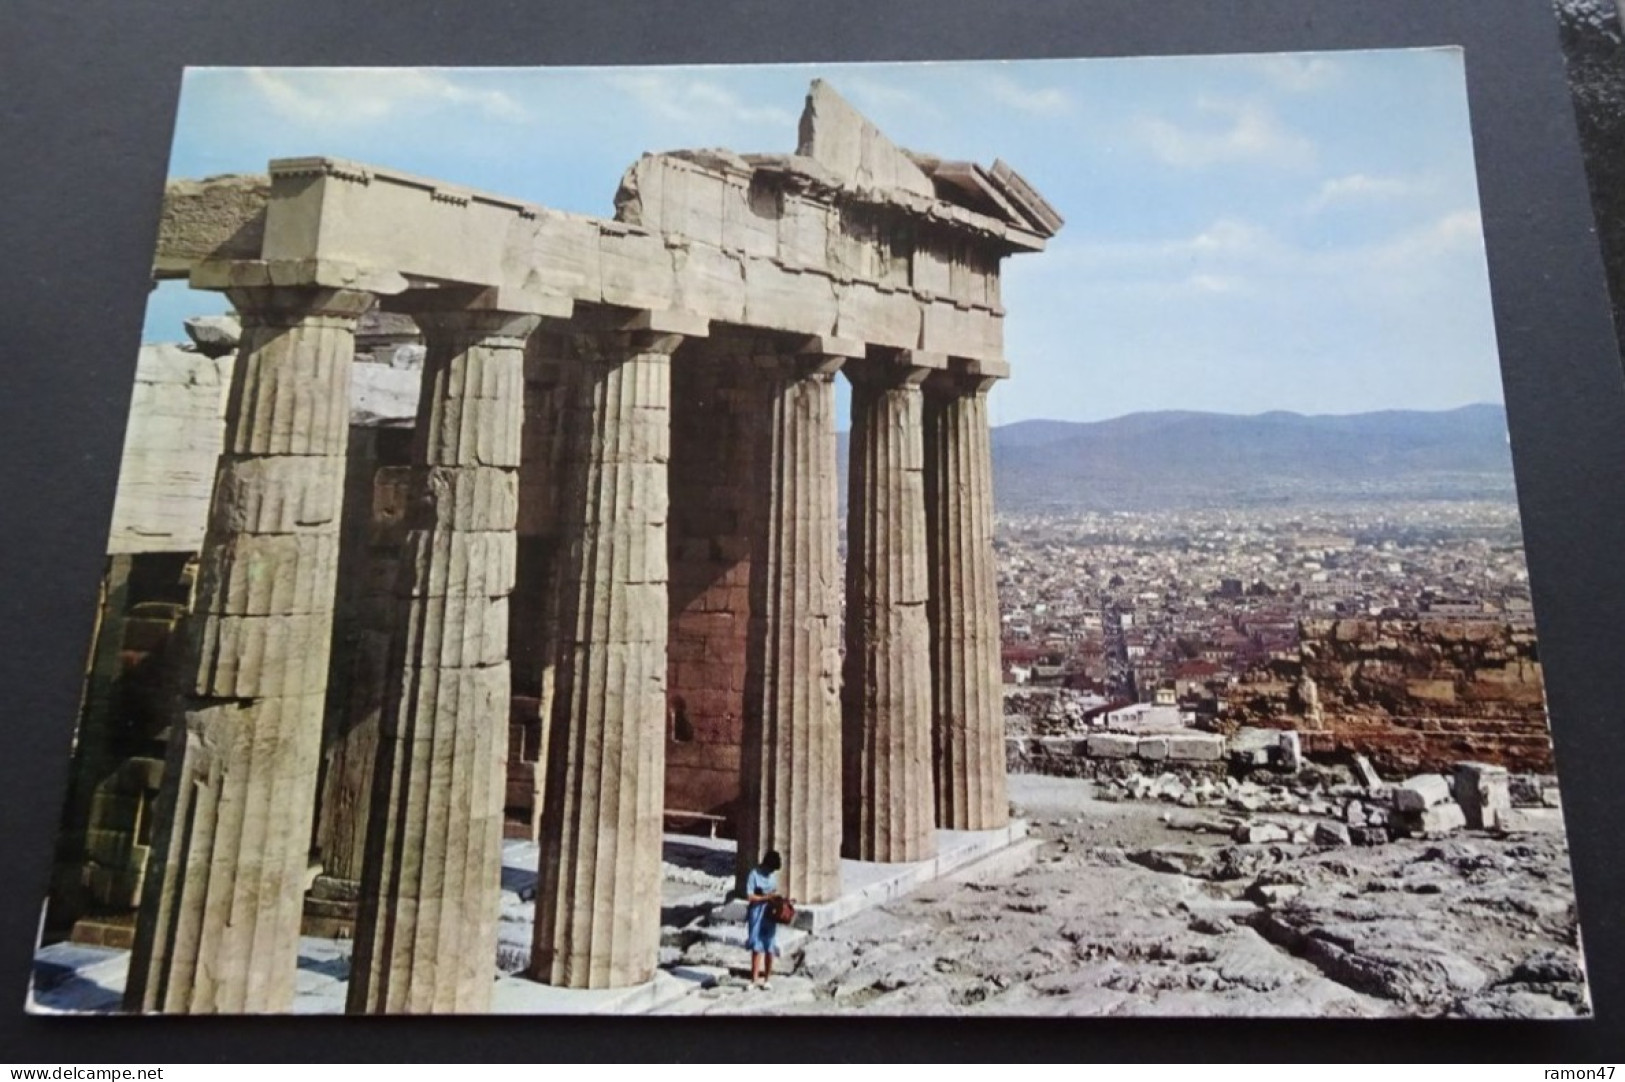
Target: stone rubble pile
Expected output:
[1050,712]
[1319,806]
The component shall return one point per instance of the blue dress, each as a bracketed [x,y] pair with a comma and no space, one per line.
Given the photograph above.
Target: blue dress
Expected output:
[760,928]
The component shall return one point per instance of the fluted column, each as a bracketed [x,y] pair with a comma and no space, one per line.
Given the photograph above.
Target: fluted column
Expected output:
[598,896]
[219,923]
[426,930]
[967,685]
[791,780]
[888,812]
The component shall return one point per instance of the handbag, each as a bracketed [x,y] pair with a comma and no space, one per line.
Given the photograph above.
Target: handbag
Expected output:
[782,910]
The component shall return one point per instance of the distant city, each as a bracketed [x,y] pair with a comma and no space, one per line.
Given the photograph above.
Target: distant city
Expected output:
[1170,607]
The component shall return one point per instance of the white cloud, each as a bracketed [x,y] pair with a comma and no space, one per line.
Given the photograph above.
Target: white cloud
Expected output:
[875,96]
[1227,237]
[1245,132]
[1234,257]
[1300,73]
[350,97]
[685,99]
[1217,251]
[1362,188]
[1038,101]
[1215,283]
[1455,233]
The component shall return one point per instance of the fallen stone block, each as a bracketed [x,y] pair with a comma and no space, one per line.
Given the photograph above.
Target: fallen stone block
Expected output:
[1332,834]
[1368,835]
[1290,750]
[410,355]
[1421,793]
[1247,740]
[1260,833]
[1438,820]
[1270,895]
[214,336]
[1112,746]
[1196,748]
[1366,772]
[1525,790]
[1200,824]
[1060,747]
[1176,859]
[1245,801]
[1484,793]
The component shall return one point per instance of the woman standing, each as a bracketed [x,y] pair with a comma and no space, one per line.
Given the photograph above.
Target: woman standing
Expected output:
[762,894]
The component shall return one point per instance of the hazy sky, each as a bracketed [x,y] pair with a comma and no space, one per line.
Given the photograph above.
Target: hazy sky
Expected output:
[1243,233]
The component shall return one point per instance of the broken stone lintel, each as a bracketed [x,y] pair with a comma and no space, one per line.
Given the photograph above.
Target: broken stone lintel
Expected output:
[986,368]
[912,358]
[359,173]
[825,346]
[803,175]
[309,273]
[482,298]
[669,321]
[1025,196]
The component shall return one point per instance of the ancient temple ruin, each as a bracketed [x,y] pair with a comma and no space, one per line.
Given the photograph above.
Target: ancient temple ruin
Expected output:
[593,590]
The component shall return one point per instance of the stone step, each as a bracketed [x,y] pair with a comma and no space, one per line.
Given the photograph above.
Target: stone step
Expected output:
[732,933]
[722,956]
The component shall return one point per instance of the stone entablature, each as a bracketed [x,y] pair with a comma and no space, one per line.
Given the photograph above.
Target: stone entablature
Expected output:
[778,242]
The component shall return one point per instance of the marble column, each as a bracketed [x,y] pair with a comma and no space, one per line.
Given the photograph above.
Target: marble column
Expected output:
[426,929]
[888,808]
[791,774]
[219,924]
[364,621]
[598,894]
[967,683]
[534,617]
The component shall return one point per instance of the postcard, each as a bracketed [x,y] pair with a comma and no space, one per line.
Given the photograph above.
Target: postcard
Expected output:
[998,538]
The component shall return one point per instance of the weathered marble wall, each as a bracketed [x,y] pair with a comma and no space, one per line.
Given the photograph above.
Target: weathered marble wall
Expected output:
[166,476]
[717,435]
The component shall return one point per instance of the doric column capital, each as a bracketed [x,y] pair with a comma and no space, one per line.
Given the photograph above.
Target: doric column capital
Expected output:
[615,347]
[287,306]
[486,325]
[611,335]
[957,383]
[884,369]
[792,367]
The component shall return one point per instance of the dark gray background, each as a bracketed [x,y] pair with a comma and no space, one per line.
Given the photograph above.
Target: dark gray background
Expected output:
[87,93]
[1593,37]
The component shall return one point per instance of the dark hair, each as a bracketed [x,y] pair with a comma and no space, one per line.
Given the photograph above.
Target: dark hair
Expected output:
[772,861]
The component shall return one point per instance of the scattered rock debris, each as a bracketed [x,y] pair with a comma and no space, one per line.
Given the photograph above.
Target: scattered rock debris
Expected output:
[1344,909]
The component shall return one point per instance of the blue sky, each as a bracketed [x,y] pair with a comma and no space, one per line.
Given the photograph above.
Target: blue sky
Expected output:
[1243,233]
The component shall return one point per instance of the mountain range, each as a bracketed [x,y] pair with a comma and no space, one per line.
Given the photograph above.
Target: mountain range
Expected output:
[1182,459]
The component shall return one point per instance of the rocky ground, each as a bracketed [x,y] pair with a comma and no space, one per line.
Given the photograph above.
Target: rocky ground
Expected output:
[1139,905]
